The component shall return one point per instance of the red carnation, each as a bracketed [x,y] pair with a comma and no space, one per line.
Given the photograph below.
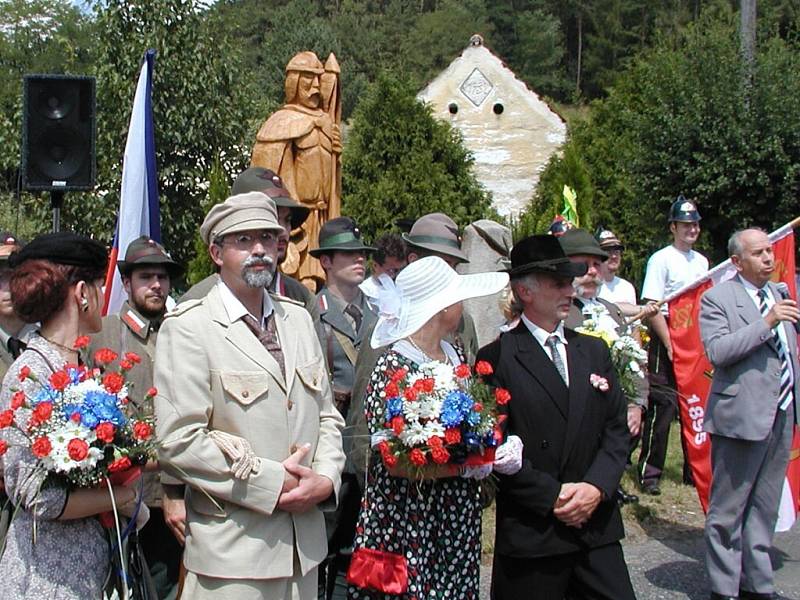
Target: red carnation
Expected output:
[125,365]
[81,342]
[142,430]
[113,382]
[440,455]
[105,356]
[42,412]
[417,457]
[434,441]
[76,417]
[463,371]
[428,384]
[59,380]
[151,393]
[24,373]
[17,400]
[121,464]
[452,435]
[398,424]
[484,368]
[502,396]
[6,418]
[392,391]
[105,432]
[133,357]
[41,447]
[390,460]
[77,449]
[410,394]
[399,374]
[3,447]
[383,447]
[477,407]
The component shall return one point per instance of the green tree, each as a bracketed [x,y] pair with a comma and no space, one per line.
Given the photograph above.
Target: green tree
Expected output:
[400,162]
[676,122]
[202,108]
[201,266]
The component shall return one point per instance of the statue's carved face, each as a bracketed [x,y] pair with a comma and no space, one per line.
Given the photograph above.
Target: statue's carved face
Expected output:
[308,90]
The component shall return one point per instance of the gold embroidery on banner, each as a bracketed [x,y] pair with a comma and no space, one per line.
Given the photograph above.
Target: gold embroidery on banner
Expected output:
[681,317]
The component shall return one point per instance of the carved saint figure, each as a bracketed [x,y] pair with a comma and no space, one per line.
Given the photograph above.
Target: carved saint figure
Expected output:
[302,143]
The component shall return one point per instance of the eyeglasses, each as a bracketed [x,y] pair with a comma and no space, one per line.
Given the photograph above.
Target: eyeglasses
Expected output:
[615,251]
[245,241]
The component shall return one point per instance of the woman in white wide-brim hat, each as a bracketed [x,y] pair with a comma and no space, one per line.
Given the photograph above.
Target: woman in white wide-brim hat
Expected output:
[434,523]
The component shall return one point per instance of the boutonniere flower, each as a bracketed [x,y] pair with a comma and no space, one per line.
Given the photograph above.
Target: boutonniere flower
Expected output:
[600,383]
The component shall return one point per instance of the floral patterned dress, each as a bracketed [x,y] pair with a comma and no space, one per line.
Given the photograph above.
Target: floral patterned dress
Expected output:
[436,524]
[44,557]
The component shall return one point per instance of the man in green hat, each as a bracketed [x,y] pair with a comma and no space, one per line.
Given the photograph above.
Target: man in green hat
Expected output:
[345,316]
[147,274]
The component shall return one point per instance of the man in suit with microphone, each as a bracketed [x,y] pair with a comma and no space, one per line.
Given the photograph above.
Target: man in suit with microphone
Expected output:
[746,327]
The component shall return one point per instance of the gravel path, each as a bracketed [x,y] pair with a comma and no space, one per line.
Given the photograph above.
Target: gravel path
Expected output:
[672,568]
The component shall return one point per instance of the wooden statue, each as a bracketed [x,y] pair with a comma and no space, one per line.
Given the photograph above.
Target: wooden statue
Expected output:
[302,143]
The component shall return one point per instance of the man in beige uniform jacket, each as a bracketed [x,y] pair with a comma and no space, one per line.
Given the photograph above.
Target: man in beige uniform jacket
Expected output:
[245,418]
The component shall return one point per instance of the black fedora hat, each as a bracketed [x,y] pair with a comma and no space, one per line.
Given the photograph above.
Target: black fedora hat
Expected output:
[339,234]
[542,254]
[266,181]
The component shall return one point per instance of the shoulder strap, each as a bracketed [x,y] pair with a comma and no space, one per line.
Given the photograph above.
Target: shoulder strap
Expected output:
[347,345]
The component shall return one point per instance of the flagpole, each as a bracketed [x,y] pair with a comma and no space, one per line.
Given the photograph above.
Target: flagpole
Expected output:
[708,274]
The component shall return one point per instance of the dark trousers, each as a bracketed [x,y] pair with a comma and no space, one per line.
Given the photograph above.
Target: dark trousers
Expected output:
[592,574]
[163,554]
[661,411]
[341,529]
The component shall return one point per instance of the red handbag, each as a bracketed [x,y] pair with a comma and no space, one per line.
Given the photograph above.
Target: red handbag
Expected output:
[378,570]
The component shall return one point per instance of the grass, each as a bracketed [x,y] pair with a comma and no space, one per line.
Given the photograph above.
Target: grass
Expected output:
[676,512]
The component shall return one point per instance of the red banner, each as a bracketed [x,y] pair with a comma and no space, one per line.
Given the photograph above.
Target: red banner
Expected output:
[693,372]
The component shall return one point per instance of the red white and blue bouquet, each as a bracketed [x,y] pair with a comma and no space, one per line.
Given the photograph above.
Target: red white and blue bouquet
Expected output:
[81,424]
[440,415]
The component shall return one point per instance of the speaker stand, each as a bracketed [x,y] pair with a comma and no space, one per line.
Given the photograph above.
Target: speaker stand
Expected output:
[56,202]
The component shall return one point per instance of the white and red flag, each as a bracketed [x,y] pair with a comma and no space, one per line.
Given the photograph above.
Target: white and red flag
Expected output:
[138,206]
[693,372]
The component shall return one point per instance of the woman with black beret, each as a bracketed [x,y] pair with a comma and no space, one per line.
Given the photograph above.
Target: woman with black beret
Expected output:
[55,547]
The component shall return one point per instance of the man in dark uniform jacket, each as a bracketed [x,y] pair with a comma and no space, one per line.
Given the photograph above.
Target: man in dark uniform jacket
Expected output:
[147,274]
[291,215]
[558,525]
[345,317]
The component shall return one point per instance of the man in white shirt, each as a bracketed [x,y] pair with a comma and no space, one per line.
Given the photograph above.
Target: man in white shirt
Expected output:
[615,289]
[668,270]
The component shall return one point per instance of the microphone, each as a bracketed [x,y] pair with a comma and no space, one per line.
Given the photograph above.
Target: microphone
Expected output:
[783,290]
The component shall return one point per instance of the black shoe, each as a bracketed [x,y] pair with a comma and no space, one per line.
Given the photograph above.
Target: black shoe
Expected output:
[716,596]
[624,497]
[745,595]
[651,487]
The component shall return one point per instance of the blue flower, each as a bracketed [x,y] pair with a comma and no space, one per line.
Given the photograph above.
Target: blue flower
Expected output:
[46,394]
[489,440]
[472,441]
[455,407]
[394,407]
[100,407]
[473,418]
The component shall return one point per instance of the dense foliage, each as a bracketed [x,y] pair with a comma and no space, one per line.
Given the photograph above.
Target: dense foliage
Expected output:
[681,119]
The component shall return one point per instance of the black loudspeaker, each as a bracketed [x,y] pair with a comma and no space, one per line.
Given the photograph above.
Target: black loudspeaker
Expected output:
[58,133]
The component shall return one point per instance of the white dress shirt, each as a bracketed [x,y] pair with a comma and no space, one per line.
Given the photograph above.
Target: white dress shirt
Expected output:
[236,310]
[542,335]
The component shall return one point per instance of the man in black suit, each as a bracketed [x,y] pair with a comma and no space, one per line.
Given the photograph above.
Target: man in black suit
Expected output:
[558,526]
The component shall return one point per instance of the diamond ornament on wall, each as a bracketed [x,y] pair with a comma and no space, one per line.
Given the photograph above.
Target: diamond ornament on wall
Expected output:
[476,87]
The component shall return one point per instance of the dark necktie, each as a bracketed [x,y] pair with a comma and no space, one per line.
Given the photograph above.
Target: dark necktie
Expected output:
[269,339]
[355,312]
[16,346]
[553,342]
[786,372]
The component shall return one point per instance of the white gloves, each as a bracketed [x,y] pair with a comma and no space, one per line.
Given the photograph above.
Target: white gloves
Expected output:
[508,457]
[239,451]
